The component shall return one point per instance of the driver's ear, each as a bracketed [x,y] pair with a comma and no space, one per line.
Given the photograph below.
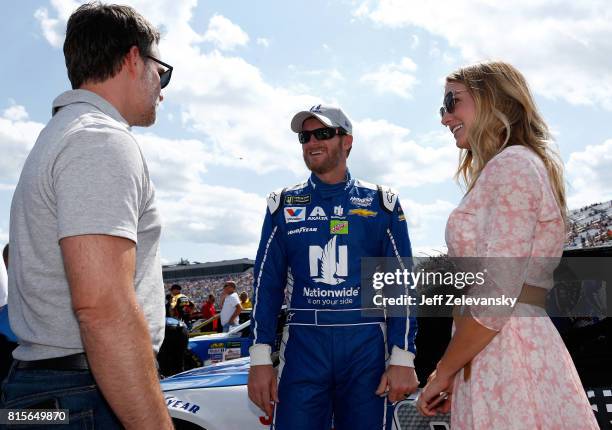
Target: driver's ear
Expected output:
[347,144]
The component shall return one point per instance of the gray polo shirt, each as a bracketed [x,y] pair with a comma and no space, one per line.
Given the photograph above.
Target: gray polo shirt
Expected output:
[85,174]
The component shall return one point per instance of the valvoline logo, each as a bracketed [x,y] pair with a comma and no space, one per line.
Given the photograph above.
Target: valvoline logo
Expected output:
[295,214]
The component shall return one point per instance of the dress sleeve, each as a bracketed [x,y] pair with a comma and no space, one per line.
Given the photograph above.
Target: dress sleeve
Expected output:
[508,200]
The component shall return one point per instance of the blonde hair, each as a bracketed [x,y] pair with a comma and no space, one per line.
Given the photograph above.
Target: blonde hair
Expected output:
[506,115]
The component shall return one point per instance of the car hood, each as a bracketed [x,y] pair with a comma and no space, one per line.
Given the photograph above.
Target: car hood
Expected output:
[214,336]
[226,374]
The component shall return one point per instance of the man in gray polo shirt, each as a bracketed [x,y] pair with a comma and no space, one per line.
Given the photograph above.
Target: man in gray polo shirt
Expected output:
[86,293]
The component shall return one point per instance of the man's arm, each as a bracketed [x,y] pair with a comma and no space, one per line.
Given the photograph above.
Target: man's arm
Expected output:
[100,270]
[400,377]
[270,276]
[236,312]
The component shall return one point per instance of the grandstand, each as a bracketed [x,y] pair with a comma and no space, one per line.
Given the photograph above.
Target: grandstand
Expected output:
[590,226]
[198,280]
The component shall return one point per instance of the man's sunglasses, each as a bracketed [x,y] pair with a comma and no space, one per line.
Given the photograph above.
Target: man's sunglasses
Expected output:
[324,133]
[164,77]
[449,102]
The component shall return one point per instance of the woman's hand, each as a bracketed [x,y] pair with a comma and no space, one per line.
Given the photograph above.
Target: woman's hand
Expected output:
[436,396]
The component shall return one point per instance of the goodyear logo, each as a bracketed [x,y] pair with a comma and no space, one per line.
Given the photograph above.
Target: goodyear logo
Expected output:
[338,227]
[363,212]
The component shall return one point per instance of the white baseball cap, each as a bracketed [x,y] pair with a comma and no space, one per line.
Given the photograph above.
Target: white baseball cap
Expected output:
[331,116]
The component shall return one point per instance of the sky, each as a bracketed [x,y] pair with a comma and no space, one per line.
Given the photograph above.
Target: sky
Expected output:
[222,140]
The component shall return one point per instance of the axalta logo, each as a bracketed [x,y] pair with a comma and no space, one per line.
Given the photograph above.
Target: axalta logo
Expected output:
[363,202]
[318,292]
[328,265]
[302,230]
[295,214]
[317,214]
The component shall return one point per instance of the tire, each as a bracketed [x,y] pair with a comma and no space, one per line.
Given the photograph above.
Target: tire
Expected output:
[185,425]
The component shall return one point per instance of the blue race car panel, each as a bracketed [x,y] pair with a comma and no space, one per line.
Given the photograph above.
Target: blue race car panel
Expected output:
[218,347]
[231,373]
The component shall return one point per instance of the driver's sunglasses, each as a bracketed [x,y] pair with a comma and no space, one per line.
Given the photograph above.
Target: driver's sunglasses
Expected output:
[164,77]
[324,133]
[449,102]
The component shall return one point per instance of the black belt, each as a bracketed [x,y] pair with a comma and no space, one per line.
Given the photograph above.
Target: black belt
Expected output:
[68,362]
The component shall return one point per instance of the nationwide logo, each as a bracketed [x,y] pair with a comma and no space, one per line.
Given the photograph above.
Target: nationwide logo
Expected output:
[317,214]
[338,227]
[363,212]
[318,292]
[297,200]
[363,202]
[302,230]
[328,265]
[295,214]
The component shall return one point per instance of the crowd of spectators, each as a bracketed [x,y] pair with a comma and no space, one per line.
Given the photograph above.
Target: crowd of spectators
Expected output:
[590,226]
[198,290]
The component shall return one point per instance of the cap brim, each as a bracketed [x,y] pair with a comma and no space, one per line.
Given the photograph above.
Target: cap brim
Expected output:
[300,117]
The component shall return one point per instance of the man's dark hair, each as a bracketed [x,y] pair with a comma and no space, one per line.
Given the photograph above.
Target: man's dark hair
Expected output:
[175,287]
[98,36]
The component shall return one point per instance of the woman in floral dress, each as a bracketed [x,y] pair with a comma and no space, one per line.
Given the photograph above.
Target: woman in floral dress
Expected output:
[505,371]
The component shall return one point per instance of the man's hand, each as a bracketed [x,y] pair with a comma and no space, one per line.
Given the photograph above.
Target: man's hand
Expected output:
[398,381]
[262,387]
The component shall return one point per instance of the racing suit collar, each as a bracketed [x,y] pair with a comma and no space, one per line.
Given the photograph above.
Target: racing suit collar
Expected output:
[330,190]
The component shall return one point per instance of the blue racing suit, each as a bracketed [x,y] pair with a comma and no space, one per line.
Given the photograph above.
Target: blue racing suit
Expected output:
[332,354]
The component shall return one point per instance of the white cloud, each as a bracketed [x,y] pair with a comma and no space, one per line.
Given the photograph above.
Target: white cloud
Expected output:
[420,216]
[262,41]
[54,28]
[394,78]
[557,44]
[225,34]
[589,175]
[175,164]
[392,157]
[415,42]
[50,27]
[212,214]
[15,113]
[325,78]
[17,136]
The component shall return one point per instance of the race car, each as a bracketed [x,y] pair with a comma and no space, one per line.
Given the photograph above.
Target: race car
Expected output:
[218,347]
[215,397]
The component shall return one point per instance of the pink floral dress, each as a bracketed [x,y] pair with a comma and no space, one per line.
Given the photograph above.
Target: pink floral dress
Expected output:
[525,377]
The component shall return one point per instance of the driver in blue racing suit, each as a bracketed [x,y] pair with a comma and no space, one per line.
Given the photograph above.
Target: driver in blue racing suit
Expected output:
[337,362]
